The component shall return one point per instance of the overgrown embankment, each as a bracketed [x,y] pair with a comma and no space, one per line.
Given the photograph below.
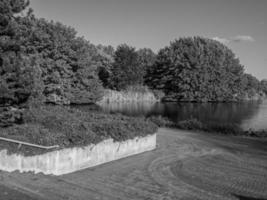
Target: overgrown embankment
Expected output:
[69,127]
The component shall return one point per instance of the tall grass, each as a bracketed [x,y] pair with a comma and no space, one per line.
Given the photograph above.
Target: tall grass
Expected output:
[132,94]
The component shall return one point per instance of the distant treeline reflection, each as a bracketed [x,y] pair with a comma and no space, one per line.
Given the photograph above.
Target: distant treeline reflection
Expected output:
[233,113]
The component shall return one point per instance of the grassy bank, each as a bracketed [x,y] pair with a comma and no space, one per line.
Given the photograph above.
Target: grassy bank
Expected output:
[218,128]
[68,127]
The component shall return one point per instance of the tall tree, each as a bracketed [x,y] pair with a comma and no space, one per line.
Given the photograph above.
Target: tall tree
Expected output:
[18,72]
[263,85]
[68,63]
[104,63]
[196,69]
[126,70]
[146,57]
[20,77]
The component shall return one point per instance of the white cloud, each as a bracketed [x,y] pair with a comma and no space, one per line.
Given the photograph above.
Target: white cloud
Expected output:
[238,38]
[222,40]
[243,38]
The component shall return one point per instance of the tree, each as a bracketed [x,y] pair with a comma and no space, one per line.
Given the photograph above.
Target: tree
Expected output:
[146,58]
[68,63]
[126,70]
[196,69]
[104,64]
[250,85]
[263,85]
[20,78]
[17,70]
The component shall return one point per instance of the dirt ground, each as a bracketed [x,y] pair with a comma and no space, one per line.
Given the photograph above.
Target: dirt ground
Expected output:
[185,165]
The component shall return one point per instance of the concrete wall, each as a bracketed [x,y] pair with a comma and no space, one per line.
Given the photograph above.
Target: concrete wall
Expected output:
[73,159]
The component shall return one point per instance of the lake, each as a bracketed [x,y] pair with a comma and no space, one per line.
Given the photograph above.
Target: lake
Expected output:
[248,115]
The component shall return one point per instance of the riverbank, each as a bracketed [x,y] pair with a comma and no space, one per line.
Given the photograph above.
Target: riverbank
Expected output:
[210,127]
[260,96]
[185,165]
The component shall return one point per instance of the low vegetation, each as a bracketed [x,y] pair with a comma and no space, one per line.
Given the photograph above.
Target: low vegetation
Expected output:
[194,124]
[68,127]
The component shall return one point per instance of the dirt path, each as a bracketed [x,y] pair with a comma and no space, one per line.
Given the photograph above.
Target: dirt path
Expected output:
[185,165]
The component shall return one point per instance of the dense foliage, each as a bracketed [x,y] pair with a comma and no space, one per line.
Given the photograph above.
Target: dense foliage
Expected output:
[126,70]
[263,86]
[197,69]
[68,62]
[19,73]
[250,85]
[146,59]
[105,61]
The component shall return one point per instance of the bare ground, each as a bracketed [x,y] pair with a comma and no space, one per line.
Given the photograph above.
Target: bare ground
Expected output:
[185,165]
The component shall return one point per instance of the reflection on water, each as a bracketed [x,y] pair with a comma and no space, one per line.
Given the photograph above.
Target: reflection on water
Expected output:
[257,121]
[246,114]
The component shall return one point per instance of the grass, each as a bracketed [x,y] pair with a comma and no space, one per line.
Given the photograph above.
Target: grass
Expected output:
[219,128]
[69,127]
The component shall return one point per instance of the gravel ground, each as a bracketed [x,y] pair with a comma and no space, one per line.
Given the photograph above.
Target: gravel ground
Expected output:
[185,165]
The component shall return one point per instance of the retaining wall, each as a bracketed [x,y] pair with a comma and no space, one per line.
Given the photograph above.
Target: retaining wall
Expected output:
[73,159]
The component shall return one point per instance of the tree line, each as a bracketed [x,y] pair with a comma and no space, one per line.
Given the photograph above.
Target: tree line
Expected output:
[45,61]
[189,69]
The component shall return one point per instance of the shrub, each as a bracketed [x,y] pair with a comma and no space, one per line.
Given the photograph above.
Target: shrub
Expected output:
[10,116]
[256,133]
[159,94]
[161,121]
[190,124]
[224,128]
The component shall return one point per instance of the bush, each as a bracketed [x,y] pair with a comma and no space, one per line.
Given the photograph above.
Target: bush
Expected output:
[190,124]
[10,116]
[256,133]
[161,121]
[158,94]
[227,129]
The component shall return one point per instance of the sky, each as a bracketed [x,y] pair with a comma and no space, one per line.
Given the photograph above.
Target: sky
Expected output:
[239,24]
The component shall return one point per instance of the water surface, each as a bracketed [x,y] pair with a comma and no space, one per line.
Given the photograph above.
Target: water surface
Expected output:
[248,115]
